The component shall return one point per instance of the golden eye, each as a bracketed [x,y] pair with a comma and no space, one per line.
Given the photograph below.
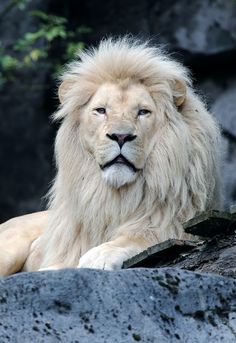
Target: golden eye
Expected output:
[100,110]
[143,112]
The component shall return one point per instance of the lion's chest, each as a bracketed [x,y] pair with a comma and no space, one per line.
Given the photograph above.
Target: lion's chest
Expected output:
[105,210]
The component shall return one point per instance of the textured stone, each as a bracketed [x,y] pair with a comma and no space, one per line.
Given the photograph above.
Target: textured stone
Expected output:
[233,208]
[224,108]
[228,174]
[220,92]
[161,305]
[203,27]
[211,223]
[162,252]
[216,253]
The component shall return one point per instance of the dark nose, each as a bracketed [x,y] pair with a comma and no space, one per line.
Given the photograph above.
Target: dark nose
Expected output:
[121,139]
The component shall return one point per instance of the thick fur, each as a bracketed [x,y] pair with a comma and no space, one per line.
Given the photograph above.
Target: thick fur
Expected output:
[106,216]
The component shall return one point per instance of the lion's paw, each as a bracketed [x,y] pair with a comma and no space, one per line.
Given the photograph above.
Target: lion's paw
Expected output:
[105,256]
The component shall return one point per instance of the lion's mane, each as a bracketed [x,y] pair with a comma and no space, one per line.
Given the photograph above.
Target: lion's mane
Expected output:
[180,178]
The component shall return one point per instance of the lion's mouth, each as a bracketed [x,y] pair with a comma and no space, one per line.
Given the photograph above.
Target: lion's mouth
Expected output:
[120,159]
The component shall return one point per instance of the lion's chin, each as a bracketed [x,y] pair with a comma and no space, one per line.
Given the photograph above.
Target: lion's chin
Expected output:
[118,175]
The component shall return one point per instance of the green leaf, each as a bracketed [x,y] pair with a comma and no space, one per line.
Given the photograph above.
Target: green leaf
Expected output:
[39,14]
[55,32]
[73,48]
[8,62]
[31,48]
[36,54]
[28,40]
[49,19]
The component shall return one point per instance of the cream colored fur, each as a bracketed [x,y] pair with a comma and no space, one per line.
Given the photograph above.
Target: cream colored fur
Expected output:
[99,218]
[16,237]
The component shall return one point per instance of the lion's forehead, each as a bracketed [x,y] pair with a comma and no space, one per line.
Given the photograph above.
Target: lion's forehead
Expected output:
[120,98]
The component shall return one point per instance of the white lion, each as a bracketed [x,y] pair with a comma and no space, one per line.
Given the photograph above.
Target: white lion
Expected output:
[137,155]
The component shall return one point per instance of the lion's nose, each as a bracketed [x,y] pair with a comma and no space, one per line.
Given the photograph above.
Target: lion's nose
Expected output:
[121,139]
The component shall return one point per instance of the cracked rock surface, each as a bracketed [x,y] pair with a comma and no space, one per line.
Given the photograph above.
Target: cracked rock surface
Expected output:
[146,305]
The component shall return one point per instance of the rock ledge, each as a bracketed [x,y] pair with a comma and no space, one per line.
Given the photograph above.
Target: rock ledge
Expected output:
[146,305]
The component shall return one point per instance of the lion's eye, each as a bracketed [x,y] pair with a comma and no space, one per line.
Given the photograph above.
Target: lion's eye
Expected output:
[100,110]
[143,112]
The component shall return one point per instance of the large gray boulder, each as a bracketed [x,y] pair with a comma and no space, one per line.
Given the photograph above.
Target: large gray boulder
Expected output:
[225,110]
[197,27]
[223,107]
[221,96]
[202,27]
[145,305]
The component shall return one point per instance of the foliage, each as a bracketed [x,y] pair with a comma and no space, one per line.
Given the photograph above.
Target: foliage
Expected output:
[36,47]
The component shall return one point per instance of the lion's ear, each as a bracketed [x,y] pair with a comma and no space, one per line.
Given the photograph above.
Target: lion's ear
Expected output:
[73,89]
[64,87]
[179,92]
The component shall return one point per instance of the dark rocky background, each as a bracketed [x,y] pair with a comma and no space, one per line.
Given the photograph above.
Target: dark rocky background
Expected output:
[202,34]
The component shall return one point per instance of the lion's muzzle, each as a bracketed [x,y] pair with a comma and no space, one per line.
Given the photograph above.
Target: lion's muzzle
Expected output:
[121,139]
[120,159]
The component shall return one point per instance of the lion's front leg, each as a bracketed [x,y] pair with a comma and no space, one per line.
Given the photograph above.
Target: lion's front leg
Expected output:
[16,237]
[111,255]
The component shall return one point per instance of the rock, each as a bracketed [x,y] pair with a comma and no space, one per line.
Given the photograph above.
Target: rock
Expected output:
[214,256]
[214,251]
[220,95]
[233,208]
[159,253]
[159,305]
[224,108]
[197,27]
[211,223]
[228,175]
[203,27]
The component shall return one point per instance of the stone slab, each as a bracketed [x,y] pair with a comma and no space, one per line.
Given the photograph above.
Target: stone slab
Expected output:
[159,254]
[211,223]
[142,305]
[233,208]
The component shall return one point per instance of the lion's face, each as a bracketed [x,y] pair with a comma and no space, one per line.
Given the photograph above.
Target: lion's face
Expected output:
[117,127]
